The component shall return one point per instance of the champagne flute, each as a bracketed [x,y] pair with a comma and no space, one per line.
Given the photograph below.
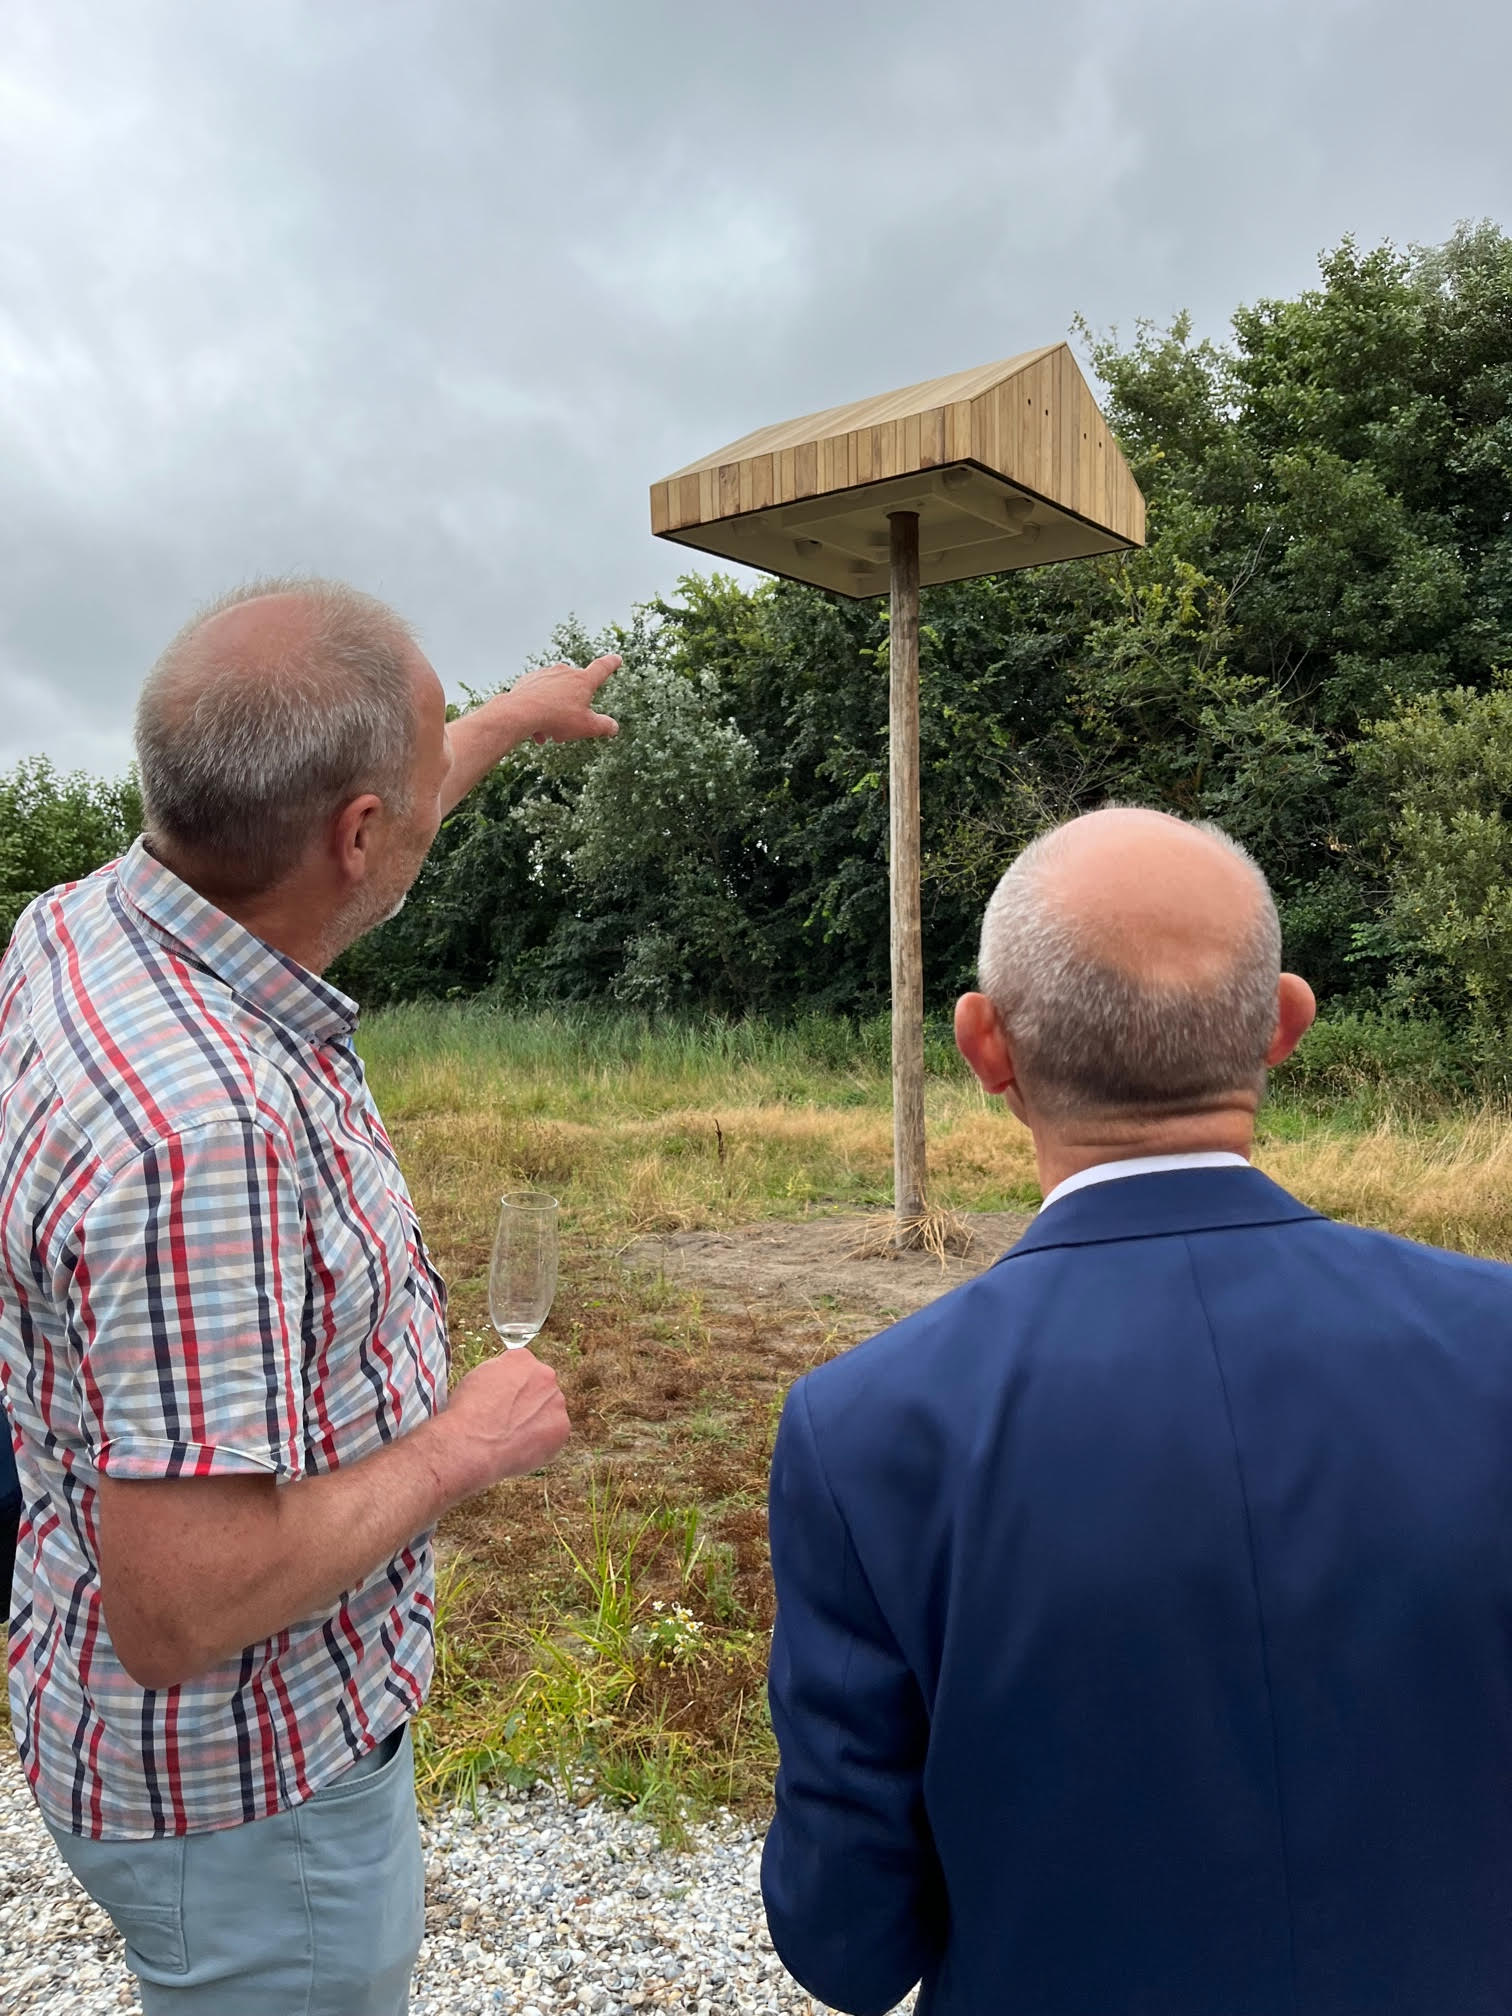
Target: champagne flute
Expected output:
[522,1275]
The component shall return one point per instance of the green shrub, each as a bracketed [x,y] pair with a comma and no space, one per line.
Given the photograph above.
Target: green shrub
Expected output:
[1389,1061]
[1444,762]
[56,828]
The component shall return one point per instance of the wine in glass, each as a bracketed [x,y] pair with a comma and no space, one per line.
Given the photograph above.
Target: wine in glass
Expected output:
[522,1275]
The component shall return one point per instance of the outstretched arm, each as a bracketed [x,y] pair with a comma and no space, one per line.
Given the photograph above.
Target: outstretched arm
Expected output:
[553,703]
[850,1877]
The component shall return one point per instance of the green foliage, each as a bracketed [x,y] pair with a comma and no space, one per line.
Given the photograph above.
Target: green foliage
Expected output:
[56,828]
[1359,1067]
[1330,549]
[1330,495]
[648,831]
[613,871]
[1444,763]
[689,1050]
[612,1697]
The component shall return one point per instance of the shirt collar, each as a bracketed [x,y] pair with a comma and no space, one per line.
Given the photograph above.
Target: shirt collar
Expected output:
[1142,1165]
[264,977]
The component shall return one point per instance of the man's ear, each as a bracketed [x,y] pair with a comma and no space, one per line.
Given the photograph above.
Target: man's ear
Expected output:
[983,1042]
[353,832]
[1296,1010]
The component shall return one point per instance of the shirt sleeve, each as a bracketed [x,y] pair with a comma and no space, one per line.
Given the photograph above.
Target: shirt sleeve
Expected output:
[186,1311]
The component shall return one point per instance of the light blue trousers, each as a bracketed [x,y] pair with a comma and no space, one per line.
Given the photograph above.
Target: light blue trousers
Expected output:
[318,1911]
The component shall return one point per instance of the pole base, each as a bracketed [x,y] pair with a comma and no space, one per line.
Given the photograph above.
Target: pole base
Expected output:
[933,1231]
[910,1235]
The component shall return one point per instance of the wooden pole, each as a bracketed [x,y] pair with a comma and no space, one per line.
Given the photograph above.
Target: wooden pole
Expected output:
[903,862]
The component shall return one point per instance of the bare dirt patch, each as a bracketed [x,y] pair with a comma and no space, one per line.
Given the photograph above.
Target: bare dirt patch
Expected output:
[799,1281]
[674,1356]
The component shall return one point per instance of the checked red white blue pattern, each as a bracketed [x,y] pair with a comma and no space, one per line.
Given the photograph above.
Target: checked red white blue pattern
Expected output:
[209,1265]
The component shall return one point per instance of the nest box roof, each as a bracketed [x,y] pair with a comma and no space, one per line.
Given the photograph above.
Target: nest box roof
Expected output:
[1010,465]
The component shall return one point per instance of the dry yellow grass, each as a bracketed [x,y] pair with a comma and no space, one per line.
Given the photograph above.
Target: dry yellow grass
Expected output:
[1448,1180]
[710,1165]
[1449,1183]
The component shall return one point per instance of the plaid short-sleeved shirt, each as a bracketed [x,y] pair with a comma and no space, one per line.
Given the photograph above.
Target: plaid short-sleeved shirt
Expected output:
[209,1265]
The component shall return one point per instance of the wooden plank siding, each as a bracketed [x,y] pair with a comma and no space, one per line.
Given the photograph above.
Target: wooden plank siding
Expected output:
[1030,421]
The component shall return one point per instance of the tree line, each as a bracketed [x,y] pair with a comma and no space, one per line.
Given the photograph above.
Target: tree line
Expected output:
[1314,649]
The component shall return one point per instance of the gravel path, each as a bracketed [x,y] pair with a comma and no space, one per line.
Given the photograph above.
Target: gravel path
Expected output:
[533,1907]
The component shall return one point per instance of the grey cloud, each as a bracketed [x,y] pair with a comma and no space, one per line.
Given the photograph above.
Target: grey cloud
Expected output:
[426,295]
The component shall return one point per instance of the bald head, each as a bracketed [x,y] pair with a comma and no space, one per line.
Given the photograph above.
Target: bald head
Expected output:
[253,633]
[1148,895]
[1133,960]
[265,714]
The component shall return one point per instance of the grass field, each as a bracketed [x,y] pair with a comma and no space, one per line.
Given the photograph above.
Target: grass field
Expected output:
[606,1624]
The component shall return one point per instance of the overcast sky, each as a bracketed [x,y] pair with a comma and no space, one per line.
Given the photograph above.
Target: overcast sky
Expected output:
[426,293]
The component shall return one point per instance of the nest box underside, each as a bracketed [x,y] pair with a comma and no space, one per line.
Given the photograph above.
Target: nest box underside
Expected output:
[1010,465]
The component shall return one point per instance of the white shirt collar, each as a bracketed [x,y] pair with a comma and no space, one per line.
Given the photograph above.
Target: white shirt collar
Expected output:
[1143,1165]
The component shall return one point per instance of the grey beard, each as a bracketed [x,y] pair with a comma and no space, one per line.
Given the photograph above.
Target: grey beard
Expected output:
[346,930]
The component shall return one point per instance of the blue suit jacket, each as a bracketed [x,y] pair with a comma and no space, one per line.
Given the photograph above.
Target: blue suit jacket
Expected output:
[1144,1636]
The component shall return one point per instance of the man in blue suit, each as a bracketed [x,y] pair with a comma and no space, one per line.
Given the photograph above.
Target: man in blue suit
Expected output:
[1144,1641]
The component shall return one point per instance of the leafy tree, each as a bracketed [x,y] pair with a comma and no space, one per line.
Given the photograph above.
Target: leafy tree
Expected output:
[650,831]
[1330,549]
[612,870]
[1340,471]
[1445,765]
[55,828]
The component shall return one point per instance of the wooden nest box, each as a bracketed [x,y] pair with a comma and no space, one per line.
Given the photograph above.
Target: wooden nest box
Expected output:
[1010,465]
[1007,466]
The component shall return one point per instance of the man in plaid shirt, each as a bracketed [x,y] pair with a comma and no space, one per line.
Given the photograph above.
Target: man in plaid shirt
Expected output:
[222,1340]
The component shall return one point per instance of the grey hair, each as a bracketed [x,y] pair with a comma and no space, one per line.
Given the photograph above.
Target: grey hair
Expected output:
[1089,1036]
[242,763]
